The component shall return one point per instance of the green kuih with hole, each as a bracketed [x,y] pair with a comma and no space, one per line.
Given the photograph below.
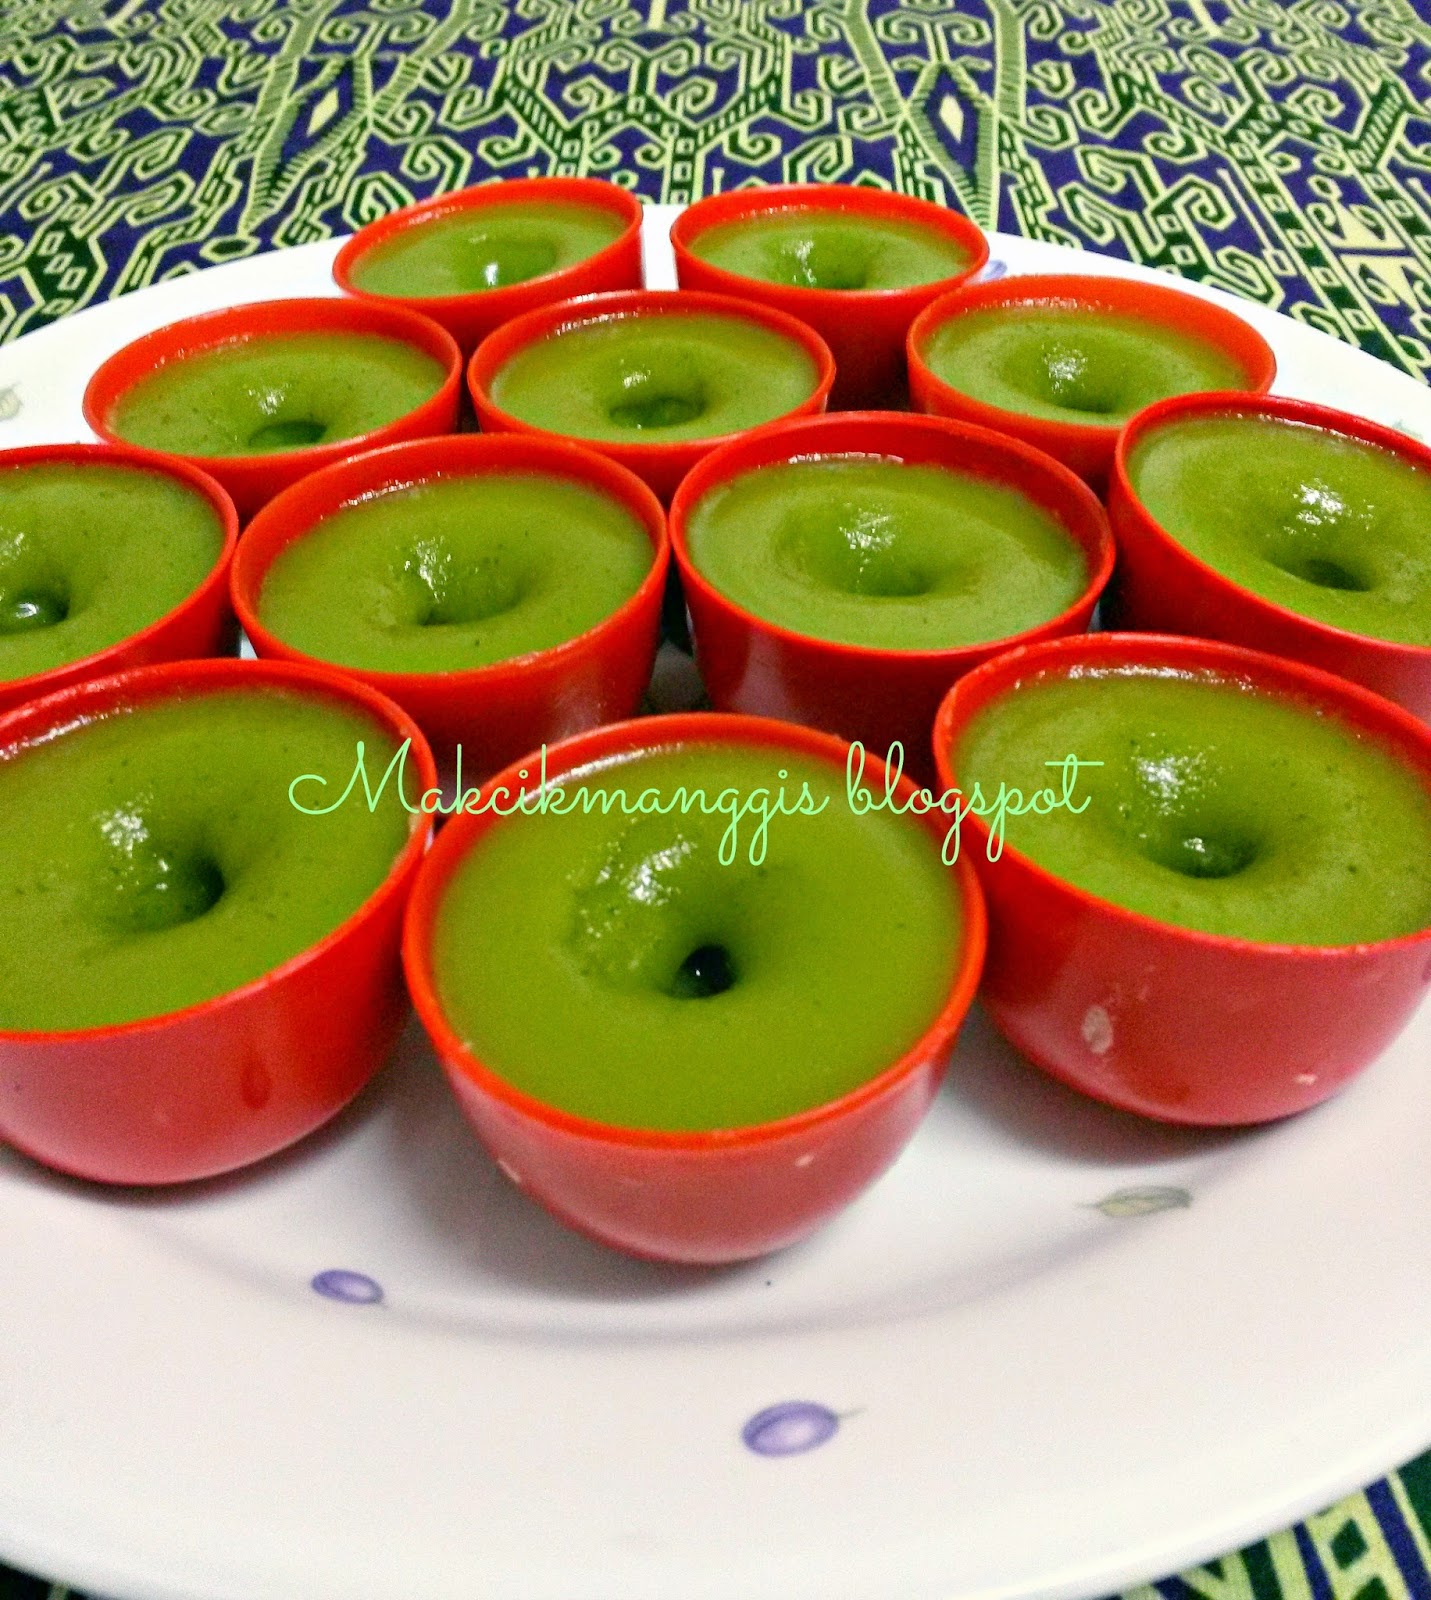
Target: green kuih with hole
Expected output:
[458,572]
[816,248]
[655,378]
[1216,807]
[1328,526]
[665,974]
[485,247]
[90,554]
[885,554]
[279,392]
[154,860]
[1072,364]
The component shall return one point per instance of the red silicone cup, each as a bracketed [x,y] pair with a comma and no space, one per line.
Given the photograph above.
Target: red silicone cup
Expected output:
[252,480]
[1176,1024]
[704,1197]
[1085,447]
[469,318]
[662,466]
[200,625]
[1161,587]
[498,712]
[864,328]
[235,1078]
[874,695]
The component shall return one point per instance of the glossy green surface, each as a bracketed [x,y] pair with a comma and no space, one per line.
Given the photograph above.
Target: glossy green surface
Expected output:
[286,392]
[90,554]
[485,247]
[456,573]
[647,984]
[656,377]
[1068,364]
[151,859]
[1329,527]
[816,248]
[1217,807]
[882,553]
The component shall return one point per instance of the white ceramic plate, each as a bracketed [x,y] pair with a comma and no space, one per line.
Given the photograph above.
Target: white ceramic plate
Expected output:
[1054,1351]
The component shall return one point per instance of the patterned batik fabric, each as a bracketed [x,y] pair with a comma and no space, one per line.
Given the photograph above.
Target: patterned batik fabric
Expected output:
[1279,149]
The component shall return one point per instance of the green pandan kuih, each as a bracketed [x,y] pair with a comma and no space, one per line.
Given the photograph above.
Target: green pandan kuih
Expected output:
[810,248]
[151,858]
[656,377]
[884,553]
[1215,806]
[677,966]
[1072,364]
[456,573]
[485,247]
[1327,526]
[283,392]
[91,553]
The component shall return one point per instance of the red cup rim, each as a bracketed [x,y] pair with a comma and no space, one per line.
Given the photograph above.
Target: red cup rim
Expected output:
[1131,297]
[604,746]
[714,210]
[709,473]
[1356,707]
[39,684]
[498,348]
[397,467]
[232,325]
[67,707]
[1312,414]
[597,192]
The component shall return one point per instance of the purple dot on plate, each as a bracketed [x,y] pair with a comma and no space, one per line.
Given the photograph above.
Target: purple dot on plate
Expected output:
[993,268]
[790,1428]
[353,1288]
